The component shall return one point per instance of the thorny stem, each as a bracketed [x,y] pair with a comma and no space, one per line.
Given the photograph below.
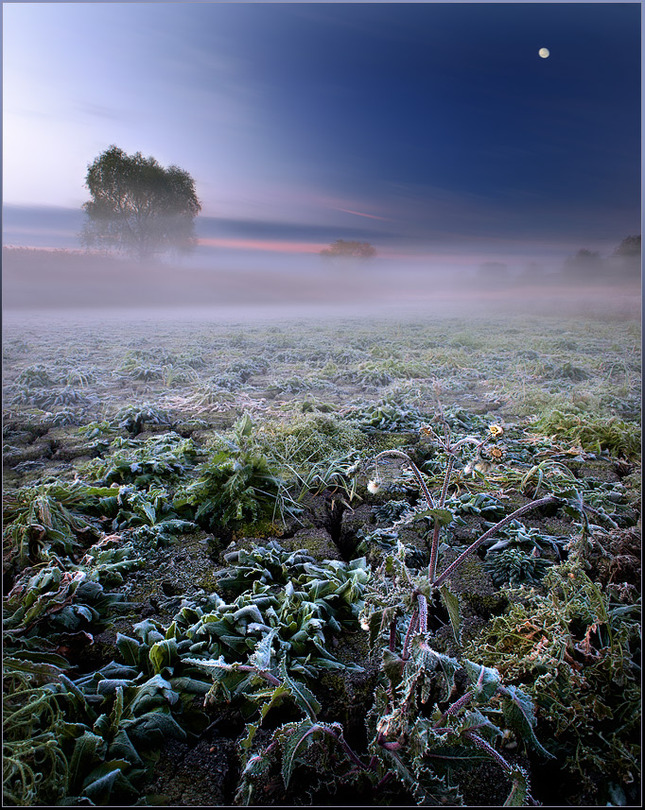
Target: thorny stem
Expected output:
[414,621]
[423,613]
[385,780]
[262,673]
[446,480]
[392,643]
[481,743]
[454,708]
[434,549]
[549,499]
[343,743]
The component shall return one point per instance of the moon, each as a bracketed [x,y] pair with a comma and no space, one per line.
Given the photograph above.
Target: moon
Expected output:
[544,53]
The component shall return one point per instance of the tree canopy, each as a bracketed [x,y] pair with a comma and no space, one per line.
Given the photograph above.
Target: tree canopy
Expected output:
[584,264]
[137,206]
[630,246]
[353,250]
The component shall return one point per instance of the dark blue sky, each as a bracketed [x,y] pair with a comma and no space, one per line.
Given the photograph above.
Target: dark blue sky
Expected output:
[428,128]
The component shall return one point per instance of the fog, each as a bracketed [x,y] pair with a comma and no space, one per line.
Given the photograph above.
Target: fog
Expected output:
[238,286]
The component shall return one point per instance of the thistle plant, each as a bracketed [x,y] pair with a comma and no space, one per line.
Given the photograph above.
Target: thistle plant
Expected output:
[421,737]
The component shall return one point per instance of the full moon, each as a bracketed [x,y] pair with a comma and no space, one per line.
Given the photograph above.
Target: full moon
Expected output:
[544,52]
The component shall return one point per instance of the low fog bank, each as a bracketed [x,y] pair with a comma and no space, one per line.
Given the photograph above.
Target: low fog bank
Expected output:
[67,281]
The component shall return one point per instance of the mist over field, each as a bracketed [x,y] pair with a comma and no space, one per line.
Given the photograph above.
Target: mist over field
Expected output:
[65,280]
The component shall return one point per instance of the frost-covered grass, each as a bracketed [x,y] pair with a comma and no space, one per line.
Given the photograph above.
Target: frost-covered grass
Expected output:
[382,451]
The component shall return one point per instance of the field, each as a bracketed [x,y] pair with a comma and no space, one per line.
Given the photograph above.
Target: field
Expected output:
[339,559]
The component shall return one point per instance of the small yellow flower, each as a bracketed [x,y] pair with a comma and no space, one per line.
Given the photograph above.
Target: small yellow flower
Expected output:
[496,430]
[373,487]
[494,452]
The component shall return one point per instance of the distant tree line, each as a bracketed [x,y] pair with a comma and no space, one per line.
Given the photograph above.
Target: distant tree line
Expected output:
[623,264]
[588,265]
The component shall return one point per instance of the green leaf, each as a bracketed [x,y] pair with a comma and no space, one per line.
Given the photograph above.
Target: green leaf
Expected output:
[154,728]
[37,657]
[88,749]
[519,795]
[102,726]
[451,603]
[442,516]
[99,788]
[249,613]
[298,737]
[153,693]
[519,715]
[485,680]
[474,719]
[103,781]
[121,747]
[425,659]
[32,667]
[117,711]
[73,689]
[163,654]
[247,742]
[145,628]
[301,694]
[274,700]
[261,657]
[190,685]
[392,666]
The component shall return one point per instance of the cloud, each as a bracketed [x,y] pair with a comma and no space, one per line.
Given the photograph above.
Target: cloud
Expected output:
[285,229]
[100,111]
[362,214]
[262,244]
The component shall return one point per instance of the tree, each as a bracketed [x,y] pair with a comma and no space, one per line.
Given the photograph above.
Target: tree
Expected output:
[586,264]
[137,206]
[625,261]
[348,250]
[629,247]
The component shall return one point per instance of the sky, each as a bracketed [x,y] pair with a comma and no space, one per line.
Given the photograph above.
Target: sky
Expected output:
[435,131]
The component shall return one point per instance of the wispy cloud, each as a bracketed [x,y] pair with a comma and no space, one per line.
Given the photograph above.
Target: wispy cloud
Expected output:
[262,244]
[363,214]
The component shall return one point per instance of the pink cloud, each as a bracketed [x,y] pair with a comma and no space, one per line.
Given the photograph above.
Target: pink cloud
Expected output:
[361,214]
[261,244]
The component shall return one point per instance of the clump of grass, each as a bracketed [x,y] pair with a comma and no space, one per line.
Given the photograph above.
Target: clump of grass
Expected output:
[35,376]
[593,434]
[308,439]
[238,484]
[35,770]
